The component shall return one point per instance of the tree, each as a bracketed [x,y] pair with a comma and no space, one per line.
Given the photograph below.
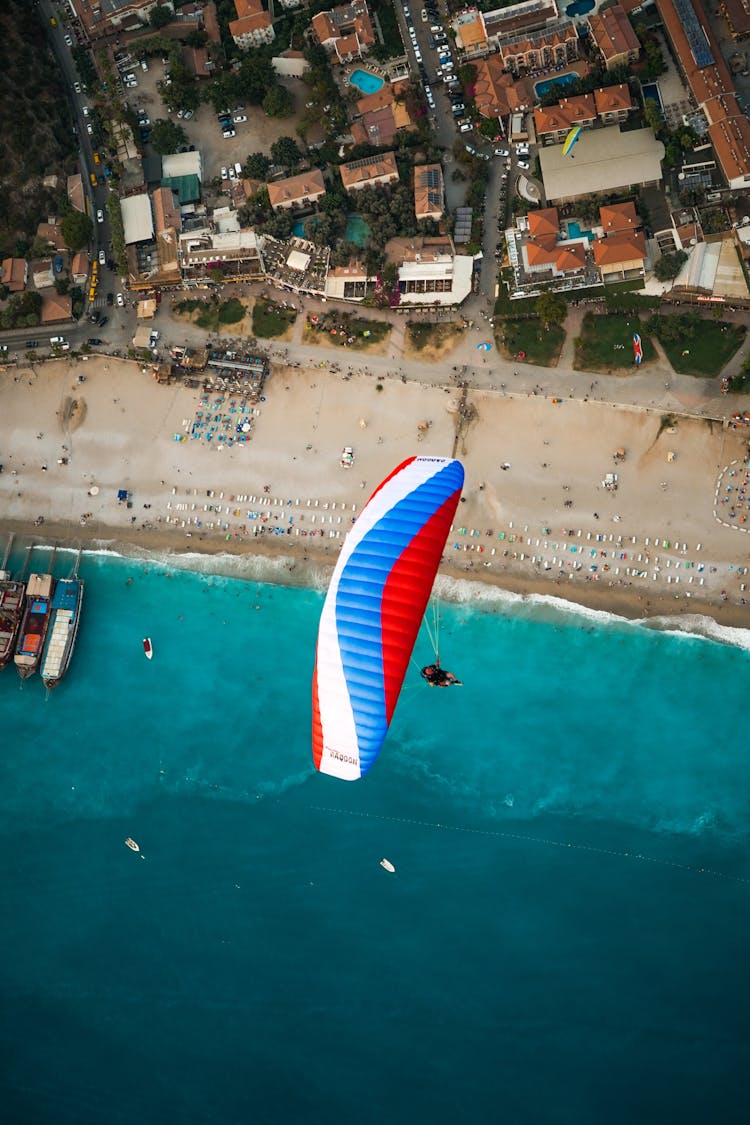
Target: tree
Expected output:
[669,265]
[167,136]
[278,102]
[77,229]
[551,308]
[257,165]
[160,16]
[286,152]
[653,116]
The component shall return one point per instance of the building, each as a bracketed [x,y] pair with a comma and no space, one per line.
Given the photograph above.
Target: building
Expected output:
[207,254]
[519,19]
[345,32]
[553,123]
[370,172]
[471,33]
[604,160]
[290,64]
[700,59]
[621,256]
[137,219]
[737,15]
[613,35]
[429,272]
[349,283]
[75,193]
[42,276]
[99,18]
[297,191]
[540,50]
[616,218]
[613,104]
[182,164]
[55,307]
[545,251]
[497,94]
[15,274]
[79,268]
[428,192]
[253,26]
[380,117]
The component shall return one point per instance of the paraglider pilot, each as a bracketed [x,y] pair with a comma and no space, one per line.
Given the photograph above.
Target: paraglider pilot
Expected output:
[438,677]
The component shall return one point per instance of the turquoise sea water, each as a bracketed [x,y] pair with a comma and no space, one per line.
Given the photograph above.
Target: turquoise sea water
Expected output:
[565,937]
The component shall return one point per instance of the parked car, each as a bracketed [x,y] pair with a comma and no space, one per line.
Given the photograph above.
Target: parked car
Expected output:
[524,165]
[144,64]
[423,14]
[238,120]
[188,114]
[120,300]
[89,130]
[85,110]
[31,344]
[102,258]
[229,133]
[110,298]
[465,127]
[99,215]
[93,341]
[77,87]
[68,41]
[224,173]
[103,320]
[501,152]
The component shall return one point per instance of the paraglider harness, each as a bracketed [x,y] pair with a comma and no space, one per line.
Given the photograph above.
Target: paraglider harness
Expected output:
[438,677]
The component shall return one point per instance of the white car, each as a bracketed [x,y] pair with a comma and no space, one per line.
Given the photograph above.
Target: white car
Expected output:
[229,133]
[501,152]
[424,15]
[347,457]
[144,64]
[100,216]
[224,173]
[417,54]
[85,111]
[120,300]
[153,338]
[524,165]
[188,114]
[232,174]
[89,130]
[68,41]
[238,120]
[466,127]
[102,258]
[77,87]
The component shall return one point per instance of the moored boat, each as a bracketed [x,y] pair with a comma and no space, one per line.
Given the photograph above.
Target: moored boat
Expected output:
[148,648]
[30,644]
[12,600]
[65,616]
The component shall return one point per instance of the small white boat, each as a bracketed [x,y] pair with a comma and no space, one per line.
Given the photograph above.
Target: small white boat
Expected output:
[132,844]
[386,863]
[148,648]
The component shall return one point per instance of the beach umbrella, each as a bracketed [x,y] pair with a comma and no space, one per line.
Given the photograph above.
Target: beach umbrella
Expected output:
[571,139]
[485,346]
[94,490]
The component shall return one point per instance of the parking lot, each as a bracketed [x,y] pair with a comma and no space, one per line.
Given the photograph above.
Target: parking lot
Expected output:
[257,134]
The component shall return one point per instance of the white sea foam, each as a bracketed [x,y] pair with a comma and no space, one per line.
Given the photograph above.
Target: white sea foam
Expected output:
[290,570]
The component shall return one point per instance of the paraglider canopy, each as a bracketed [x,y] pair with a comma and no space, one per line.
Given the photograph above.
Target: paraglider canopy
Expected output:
[571,139]
[373,610]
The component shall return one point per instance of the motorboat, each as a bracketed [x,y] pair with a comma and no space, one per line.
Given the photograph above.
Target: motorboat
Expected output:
[148,648]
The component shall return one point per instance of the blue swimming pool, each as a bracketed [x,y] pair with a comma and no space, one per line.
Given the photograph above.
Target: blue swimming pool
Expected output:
[366,82]
[580,7]
[543,88]
[652,93]
[575,231]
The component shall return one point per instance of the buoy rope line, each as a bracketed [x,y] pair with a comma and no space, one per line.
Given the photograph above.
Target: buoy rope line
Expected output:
[542,840]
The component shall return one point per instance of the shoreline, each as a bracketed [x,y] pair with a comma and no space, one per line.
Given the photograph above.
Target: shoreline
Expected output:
[539,516]
[282,562]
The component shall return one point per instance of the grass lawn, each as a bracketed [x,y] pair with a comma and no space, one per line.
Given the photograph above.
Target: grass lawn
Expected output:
[606,342]
[342,329]
[270,319]
[541,345]
[705,352]
[211,316]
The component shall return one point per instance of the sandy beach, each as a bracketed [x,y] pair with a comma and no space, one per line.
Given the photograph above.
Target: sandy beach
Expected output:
[536,516]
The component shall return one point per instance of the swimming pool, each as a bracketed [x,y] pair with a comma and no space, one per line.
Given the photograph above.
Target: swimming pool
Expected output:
[652,93]
[575,231]
[580,7]
[543,88]
[366,82]
[357,230]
